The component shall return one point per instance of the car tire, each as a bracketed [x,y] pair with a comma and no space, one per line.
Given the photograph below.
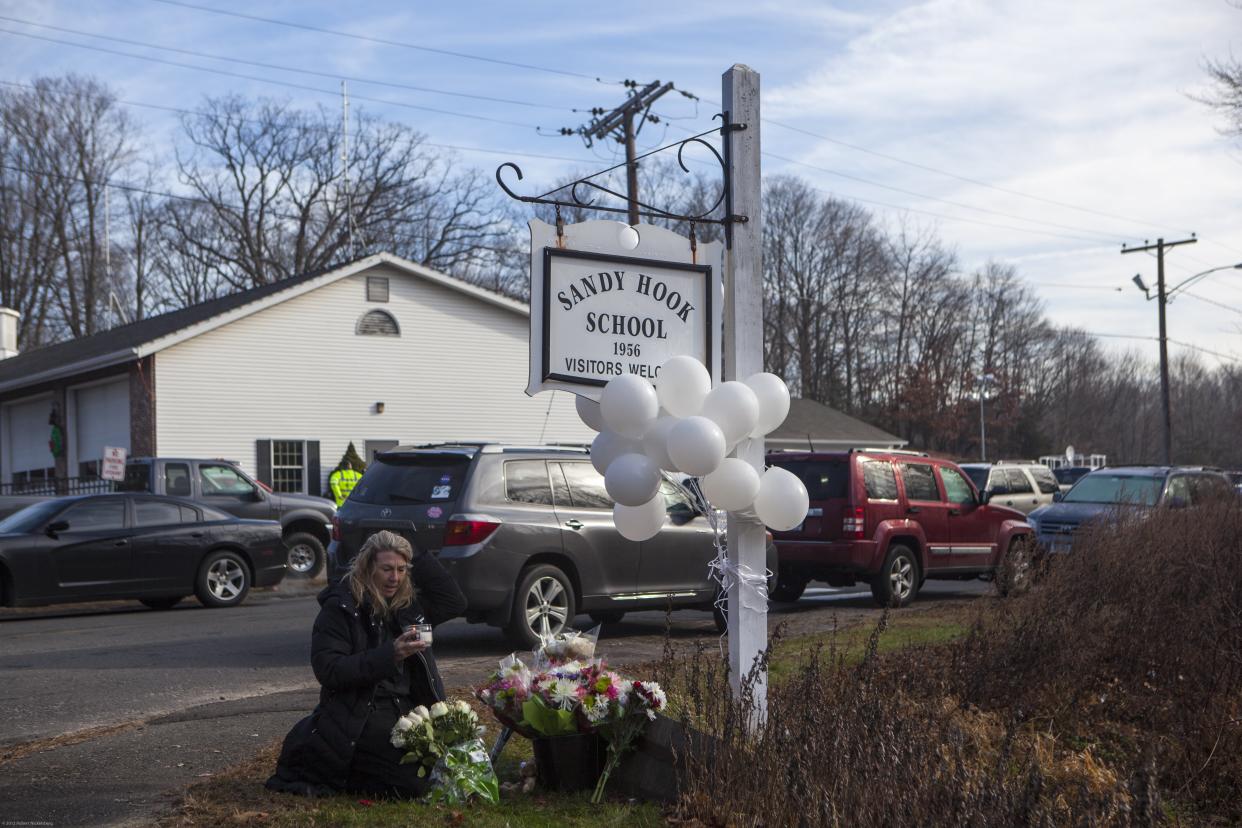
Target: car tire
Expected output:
[612,617]
[306,555]
[223,580]
[789,587]
[1015,569]
[543,604]
[898,580]
[161,603]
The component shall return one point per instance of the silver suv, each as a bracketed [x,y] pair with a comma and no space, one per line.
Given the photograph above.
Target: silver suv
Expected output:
[1019,484]
[528,534]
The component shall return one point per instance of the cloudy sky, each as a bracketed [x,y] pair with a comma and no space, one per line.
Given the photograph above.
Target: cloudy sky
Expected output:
[1043,134]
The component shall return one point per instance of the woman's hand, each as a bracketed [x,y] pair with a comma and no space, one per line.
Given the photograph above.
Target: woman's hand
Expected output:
[407,644]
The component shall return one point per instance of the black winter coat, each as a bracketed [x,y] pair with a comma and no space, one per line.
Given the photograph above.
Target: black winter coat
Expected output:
[349,661]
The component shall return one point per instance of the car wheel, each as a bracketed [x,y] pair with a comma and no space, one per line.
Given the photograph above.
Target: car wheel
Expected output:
[613,617]
[1014,571]
[223,580]
[161,603]
[789,587]
[306,554]
[898,580]
[543,605]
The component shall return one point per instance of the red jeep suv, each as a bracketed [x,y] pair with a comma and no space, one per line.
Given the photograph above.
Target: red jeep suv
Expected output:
[891,519]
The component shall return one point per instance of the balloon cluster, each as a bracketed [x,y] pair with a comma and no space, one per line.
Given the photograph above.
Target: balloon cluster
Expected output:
[682,424]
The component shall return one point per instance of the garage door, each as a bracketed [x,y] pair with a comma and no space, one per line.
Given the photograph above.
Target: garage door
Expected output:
[101,414]
[26,435]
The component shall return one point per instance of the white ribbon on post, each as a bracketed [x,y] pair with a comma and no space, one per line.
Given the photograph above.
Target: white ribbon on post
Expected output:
[753,586]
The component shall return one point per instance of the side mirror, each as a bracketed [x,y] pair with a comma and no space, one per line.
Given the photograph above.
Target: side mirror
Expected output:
[1057,497]
[56,527]
[1176,502]
[985,496]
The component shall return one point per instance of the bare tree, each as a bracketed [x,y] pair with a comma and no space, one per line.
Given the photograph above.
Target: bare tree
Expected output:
[280,200]
[68,139]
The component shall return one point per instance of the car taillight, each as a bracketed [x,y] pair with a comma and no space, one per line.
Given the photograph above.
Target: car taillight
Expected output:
[467,532]
[853,526]
[336,528]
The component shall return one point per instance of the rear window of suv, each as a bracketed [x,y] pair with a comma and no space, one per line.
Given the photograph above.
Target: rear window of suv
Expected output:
[1102,487]
[879,480]
[413,478]
[824,479]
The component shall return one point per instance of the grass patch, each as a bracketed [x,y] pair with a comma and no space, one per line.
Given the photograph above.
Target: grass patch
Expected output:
[237,797]
[926,628]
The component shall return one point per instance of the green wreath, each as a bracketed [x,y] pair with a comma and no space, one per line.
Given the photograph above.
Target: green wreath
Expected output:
[56,444]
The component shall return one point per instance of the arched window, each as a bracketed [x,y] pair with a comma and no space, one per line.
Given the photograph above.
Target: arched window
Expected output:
[377,323]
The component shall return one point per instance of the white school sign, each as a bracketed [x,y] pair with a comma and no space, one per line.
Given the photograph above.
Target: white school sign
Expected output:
[600,309]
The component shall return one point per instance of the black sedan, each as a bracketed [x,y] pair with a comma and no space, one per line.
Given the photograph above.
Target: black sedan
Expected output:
[117,546]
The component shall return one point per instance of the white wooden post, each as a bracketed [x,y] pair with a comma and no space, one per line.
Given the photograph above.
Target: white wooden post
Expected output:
[743,354]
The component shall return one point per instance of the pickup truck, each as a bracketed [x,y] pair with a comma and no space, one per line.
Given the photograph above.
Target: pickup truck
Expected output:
[305,521]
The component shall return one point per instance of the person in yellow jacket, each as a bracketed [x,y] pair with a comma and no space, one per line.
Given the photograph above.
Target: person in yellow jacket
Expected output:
[342,482]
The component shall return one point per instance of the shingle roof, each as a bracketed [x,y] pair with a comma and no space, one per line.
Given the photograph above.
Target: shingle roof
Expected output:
[135,334]
[810,421]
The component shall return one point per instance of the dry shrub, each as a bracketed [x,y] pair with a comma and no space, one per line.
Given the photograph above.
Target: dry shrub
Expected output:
[863,745]
[1110,693]
[1137,632]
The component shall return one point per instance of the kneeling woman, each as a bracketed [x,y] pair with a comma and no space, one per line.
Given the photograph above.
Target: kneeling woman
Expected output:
[372,669]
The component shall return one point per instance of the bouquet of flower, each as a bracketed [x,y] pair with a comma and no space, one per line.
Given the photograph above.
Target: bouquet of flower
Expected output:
[642,700]
[446,741]
[570,645]
[575,696]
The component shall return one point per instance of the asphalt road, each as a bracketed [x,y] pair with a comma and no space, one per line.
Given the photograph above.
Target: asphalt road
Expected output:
[111,710]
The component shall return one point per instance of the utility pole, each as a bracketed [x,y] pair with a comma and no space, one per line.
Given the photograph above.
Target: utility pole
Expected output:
[619,123]
[743,356]
[349,196]
[1162,300]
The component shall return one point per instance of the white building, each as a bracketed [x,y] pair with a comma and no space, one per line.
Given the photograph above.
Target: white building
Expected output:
[281,378]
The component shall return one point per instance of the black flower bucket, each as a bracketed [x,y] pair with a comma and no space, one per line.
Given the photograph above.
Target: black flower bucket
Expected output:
[569,763]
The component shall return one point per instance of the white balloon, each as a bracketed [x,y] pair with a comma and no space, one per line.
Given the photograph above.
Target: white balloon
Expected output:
[655,442]
[628,238]
[642,522]
[696,445]
[682,384]
[629,405]
[733,485]
[773,396]
[632,479]
[608,446]
[733,407]
[588,411]
[782,500]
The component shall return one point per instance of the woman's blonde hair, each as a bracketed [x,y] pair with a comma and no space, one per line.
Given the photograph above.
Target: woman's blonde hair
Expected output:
[362,572]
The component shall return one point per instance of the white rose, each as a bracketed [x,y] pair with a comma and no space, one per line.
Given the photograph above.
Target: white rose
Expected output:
[438,709]
[404,724]
[421,711]
[462,706]
[397,741]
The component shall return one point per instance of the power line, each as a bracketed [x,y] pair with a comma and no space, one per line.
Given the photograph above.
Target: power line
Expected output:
[1102,235]
[332,130]
[938,171]
[1211,301]
[380,40]
[289,84]
[1192,347]
[984,210]
[962,219]
[199,200]
[278,67]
